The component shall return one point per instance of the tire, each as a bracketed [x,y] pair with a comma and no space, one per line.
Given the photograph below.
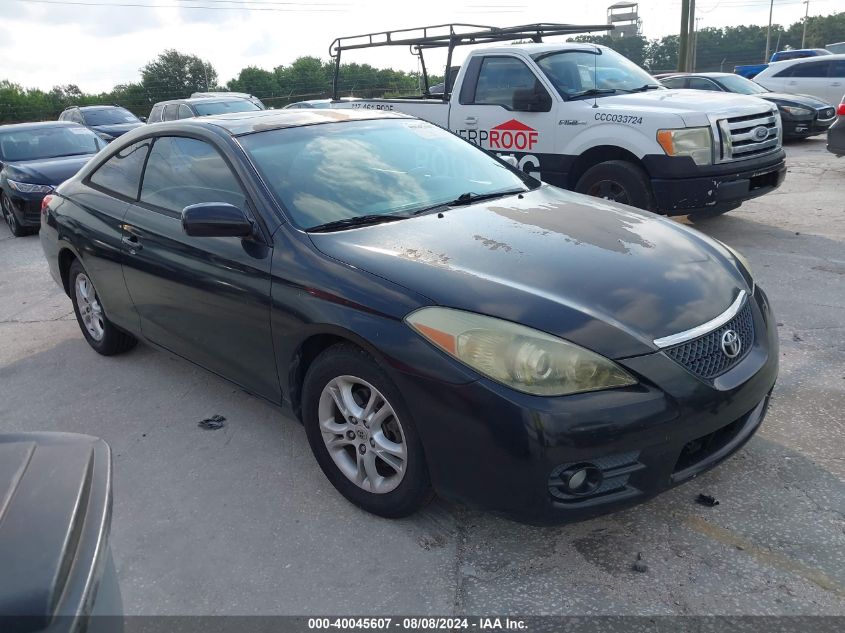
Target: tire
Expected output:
[619,181]
[358,439]
[100,333]
[10,218]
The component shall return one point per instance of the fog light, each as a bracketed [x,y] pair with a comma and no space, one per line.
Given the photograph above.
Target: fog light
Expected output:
[581,479]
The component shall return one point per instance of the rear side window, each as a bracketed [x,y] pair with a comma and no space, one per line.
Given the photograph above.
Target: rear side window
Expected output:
[155,114]
[121,173]
[674,82]
[838,69]
[806,69]
[185,112]
[700,83]
[171,111]
[184,171]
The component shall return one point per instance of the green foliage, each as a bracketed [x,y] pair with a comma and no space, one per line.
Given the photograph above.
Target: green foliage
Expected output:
[173,74]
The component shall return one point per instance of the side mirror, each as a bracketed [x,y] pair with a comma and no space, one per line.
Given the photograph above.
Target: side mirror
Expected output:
[142,119]
[534,99]
[215,219]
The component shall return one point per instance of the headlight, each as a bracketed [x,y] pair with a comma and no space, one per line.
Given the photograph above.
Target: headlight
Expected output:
[517,356]
[695,142]
[795,110]
[26,187]
[745,267]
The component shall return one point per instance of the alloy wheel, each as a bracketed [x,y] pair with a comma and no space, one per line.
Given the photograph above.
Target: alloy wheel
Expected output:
[8,215]
[89,306]
[363,434]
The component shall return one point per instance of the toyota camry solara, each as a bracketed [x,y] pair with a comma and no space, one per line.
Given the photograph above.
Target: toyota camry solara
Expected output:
[438,320]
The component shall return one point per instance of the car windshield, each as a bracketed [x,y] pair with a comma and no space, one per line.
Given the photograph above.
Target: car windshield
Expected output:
[340,171]
[581,71]
[109,116]
[51,142]
[222,107]
[741,85]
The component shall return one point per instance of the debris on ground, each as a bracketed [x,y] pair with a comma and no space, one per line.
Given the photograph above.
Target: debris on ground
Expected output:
[707,500]
[213,423]
[796,338]
[639,565]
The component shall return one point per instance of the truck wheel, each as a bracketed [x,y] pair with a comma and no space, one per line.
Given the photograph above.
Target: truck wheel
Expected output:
[619,181]
[362,433]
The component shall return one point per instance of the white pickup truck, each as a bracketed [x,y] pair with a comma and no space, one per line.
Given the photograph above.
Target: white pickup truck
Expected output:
[583,117]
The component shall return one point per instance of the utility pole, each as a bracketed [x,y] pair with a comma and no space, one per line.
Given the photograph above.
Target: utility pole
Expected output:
[683,35]
[691,38]
[806,17]
[769,32]
[695,46]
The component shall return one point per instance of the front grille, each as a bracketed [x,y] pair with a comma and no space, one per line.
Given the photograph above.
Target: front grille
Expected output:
[738,140]
[704,357]
[827,113]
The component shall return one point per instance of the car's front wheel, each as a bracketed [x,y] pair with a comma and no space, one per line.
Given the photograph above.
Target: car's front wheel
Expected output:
[11,220]
[100,333]
[362,434]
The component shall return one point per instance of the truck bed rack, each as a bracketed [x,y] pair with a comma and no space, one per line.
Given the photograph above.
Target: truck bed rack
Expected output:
[449,36]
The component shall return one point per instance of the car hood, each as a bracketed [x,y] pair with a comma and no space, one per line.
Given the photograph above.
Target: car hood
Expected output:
[693,106]
[49,171]
[605,276]
[799,100]
[116,129]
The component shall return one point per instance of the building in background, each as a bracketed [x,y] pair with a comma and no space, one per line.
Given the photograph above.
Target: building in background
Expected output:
[626,18]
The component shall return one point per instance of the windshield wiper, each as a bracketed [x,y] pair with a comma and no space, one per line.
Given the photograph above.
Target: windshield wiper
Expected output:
[591,92]
[361,220]
[644,88]
[469,197]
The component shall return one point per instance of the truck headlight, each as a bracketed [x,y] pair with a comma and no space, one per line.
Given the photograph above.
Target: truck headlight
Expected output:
[795,110]
[517,356]
[27,187]
[695,142]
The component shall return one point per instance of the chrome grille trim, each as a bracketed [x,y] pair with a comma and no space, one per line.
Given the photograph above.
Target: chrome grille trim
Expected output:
[705,328]
[736,141]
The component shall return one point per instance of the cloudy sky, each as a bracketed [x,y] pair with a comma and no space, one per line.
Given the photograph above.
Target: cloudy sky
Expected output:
[99,43]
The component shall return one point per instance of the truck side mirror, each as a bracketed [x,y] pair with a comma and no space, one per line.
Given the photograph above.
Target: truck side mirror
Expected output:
[534,99]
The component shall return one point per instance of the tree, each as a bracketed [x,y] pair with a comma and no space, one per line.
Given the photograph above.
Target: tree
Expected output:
[174,75]
[255,81]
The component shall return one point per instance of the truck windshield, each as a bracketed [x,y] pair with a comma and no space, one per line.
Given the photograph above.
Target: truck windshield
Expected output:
[741,85]
[388,167]
[584,71]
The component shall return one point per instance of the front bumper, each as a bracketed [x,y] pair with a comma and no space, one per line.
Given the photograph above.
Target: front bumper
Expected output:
[806,126]
[715,187]
[501,450]
[27,208]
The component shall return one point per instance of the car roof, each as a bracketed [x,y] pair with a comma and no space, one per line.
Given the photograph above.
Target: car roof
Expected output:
[215,99]
[97,107]
[239,123]
[39,125]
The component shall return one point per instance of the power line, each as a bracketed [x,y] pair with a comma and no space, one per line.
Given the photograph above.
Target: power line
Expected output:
[306,6]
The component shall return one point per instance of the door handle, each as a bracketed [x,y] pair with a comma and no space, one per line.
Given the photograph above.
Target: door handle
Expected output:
[132,243]
[471,120]
[836,83]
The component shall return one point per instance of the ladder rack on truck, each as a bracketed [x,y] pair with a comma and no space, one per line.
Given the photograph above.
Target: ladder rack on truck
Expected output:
[449,36]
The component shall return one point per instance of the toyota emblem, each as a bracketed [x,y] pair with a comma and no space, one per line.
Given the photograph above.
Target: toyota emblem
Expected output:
[760,133]
[731,344]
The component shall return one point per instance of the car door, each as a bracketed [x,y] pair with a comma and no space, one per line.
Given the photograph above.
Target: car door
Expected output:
[837,82]
[204,298]
[810,78]
[484,113]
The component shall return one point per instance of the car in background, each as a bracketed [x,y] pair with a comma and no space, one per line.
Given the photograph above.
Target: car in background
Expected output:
[106,121]
[425,318]
[240,95]
[836,133]
[319,104]
[749,71]
[802,115]
[176,109]
[36,158]
[823,78]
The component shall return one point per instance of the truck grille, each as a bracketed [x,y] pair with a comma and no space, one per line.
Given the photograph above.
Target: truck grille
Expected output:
[748,136]
[704,357]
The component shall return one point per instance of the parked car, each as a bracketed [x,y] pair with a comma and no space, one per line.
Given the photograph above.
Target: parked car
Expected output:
[35,158]
[201,106]
[749,71]
[420,305]
[822,78]
[240,95]
[836,133]
[310,104]
[802,115]
[107,121]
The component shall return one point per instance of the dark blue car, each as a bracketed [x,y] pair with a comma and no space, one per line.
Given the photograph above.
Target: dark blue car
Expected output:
[106,121]
[35,158]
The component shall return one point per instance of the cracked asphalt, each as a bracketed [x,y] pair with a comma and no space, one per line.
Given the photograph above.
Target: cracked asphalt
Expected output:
[241,520]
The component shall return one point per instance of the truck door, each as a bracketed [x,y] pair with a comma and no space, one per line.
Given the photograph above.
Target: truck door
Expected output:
[504,107]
